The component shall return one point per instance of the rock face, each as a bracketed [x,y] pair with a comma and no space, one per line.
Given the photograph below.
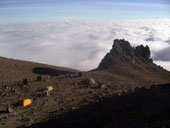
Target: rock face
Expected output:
[123,52]
[143,51]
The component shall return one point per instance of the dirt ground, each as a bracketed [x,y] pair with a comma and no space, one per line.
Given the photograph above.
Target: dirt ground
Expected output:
[69,94]
[121,102]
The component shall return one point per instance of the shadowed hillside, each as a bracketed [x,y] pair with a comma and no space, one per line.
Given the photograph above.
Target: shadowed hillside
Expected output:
[144,108]
[50,71]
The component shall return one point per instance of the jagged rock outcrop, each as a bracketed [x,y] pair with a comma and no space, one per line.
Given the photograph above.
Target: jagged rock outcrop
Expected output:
[122,48]
[123,52]
[143,51]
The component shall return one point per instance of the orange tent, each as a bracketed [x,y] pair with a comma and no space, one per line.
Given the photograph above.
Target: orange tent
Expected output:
[26,102]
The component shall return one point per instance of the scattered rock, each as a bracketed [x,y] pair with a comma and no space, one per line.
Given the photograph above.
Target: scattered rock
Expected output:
[91,91]
[13,90]
[39,78]
[9,109]
[5,117]
[6,87]
[102,86]
[25,120]
[46,93]
[25,81]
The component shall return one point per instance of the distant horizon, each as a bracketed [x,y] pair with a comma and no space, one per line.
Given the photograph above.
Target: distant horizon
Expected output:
[79,33]
[158,63]
[67,19]
[48,42]
[79,20]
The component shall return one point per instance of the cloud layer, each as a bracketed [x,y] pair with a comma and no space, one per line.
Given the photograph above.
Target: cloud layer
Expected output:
[82,44]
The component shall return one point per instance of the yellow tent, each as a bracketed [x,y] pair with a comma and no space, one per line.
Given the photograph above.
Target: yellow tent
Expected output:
[49,88]
[26,102]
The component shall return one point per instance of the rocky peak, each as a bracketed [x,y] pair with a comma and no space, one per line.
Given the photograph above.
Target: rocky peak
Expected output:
[122,51]
[143,51]
[122,48]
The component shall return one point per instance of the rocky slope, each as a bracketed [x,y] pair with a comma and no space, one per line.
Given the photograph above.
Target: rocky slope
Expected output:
[13,71]
[122,52]
[144,108]
[133,63]
[127,99]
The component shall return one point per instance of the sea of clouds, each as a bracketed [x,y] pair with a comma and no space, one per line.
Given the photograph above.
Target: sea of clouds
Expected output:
[82,44]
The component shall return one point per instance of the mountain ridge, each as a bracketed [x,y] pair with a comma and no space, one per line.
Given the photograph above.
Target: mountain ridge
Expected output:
[133,64]
[122,51]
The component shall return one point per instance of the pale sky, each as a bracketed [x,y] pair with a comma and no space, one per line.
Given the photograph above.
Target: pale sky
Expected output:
[21,11]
